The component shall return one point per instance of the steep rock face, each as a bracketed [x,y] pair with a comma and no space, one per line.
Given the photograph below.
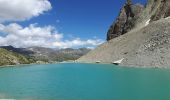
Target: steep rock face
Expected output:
[126,20]
[162,9]
[132,16]
[146,45]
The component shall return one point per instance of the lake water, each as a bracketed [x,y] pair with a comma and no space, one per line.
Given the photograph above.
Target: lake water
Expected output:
[83,82]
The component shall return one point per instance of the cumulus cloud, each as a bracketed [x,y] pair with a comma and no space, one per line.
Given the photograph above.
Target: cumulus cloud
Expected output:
[33,35]
[46,36]
[77,42]
[20,10]
[28,36]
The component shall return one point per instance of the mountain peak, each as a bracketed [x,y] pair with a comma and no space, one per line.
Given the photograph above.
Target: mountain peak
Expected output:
[141,41]
[129,2]
[132,15]
[126,20]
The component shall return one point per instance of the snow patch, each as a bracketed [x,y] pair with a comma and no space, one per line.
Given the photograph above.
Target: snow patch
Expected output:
[119,61]
[147,22]
[167,18]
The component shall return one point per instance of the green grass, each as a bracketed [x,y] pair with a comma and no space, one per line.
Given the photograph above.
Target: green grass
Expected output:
[11,58]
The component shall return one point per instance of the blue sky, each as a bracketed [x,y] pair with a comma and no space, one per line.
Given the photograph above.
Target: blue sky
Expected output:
[76,19]
[82,18]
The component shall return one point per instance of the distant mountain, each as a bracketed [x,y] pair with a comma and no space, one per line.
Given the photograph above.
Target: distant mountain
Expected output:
[23,51]
[12,58]
[49,54]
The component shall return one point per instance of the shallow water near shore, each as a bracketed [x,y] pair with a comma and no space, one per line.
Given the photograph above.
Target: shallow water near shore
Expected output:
[83,82]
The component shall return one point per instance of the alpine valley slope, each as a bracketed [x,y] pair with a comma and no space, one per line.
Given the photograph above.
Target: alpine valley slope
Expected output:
[45,55]
[12,58]
[147,44]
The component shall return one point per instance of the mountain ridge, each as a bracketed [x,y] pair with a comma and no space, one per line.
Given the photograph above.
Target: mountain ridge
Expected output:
[126,20]
[145,45]
[48,54]
[11,58]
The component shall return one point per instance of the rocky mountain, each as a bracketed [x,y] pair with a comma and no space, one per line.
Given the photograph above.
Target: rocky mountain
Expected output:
[126,20]
[147,44]
[131,15]
[49,54]
[11,58]
[23,51]
[160,9]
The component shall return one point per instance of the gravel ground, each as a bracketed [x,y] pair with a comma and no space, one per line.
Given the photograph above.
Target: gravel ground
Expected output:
[145,46]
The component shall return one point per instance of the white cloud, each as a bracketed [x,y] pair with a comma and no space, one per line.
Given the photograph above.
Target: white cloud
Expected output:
[77,42]
[34,35]
[20,10]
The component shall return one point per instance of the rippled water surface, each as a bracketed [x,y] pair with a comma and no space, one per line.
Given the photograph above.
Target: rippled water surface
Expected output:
[83,82]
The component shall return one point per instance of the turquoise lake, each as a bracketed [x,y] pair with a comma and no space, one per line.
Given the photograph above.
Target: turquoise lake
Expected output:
[83,82]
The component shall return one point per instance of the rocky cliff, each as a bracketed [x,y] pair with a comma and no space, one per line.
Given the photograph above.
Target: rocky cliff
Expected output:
[131,15]
[126,20]
[162,9]
[147,44]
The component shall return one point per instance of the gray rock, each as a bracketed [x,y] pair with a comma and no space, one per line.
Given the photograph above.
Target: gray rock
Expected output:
[145,47]
[147,44]
[162,9]
[131,15]
[125,21]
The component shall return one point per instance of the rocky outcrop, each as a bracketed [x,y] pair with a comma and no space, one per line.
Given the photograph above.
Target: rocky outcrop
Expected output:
[162,9]
[145,45]
[132,15]
[126,20]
